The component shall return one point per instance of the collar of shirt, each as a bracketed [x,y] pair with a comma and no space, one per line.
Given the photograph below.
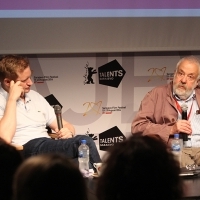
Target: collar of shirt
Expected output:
[191,97]
[4,93]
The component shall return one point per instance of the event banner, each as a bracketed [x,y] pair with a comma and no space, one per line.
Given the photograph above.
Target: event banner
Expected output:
[100,94]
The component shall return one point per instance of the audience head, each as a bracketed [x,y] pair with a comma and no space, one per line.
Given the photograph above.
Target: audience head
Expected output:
[10,159]
[48,177]
[140,168]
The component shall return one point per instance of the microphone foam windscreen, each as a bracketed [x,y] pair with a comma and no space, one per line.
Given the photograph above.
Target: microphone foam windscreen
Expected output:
[184,107]
[57,109]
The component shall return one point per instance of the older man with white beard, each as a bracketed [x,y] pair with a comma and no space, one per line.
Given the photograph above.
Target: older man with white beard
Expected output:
[160,111]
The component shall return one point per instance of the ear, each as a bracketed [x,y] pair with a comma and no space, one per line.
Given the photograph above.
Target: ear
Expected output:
[6,82]
[198,83]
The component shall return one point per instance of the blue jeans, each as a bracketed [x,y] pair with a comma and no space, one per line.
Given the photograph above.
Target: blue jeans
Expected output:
[68,147]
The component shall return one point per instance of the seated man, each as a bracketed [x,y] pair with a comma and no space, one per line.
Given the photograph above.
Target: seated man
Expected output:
[24,115]
[160,111]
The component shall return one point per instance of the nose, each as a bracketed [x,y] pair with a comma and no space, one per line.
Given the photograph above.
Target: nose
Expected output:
[184,79]
[29,82]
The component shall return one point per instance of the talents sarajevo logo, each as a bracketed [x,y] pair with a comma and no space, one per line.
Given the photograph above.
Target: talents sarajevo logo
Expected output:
[110,137]
[111,74]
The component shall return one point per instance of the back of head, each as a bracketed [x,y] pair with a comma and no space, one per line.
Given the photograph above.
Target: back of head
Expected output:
[48,177]
[140,168]
[10,159]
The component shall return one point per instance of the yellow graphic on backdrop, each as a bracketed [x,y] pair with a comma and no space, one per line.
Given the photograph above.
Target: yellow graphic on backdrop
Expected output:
[156,72]
[92,108]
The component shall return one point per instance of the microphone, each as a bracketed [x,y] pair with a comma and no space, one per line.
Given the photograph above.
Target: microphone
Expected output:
[58,111]
[184,108]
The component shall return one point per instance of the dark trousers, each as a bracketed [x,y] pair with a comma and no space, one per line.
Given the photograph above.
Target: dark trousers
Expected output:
[68,147]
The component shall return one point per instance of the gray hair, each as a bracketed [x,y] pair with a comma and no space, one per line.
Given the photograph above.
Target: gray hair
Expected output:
[191,59]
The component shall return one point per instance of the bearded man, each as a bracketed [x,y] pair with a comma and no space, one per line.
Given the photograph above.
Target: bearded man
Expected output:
[160,111]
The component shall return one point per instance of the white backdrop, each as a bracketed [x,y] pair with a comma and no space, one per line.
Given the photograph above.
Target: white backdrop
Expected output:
[96,108]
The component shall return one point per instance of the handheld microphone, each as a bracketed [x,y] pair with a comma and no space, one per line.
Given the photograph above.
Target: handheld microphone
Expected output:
[58,111]
[184,108]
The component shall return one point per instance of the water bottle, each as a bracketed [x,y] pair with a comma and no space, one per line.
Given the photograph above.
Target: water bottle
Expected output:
[176,147]
[83,158]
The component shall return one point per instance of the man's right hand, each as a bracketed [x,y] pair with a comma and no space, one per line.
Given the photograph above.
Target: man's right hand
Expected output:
[183,126]
[15,90]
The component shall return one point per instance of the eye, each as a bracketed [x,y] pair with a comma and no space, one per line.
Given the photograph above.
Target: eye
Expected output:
[180,73]
[26,80]
[191,77]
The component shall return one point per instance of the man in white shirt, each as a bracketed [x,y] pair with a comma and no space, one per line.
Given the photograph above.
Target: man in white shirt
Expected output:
[24,115]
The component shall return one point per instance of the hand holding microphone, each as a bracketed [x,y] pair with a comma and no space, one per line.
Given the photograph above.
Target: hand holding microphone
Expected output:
[65,133]
[183,126]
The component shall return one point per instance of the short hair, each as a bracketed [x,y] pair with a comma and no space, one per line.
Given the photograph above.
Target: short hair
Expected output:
[10,160]
[140,167]
[10,65]
[191,59]
[49,177]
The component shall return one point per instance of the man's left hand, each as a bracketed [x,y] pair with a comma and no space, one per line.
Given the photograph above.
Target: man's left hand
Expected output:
[64,133]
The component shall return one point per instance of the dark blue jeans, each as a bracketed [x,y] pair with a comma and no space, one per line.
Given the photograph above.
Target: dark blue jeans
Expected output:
[68,147]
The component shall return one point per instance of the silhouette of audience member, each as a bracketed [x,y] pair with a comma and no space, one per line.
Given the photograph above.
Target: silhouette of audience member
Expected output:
[48,177]
[140,168]
[10,159]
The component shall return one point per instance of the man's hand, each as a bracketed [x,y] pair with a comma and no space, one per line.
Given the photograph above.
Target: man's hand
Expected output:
[64,133]
[16,90]
[183,126]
